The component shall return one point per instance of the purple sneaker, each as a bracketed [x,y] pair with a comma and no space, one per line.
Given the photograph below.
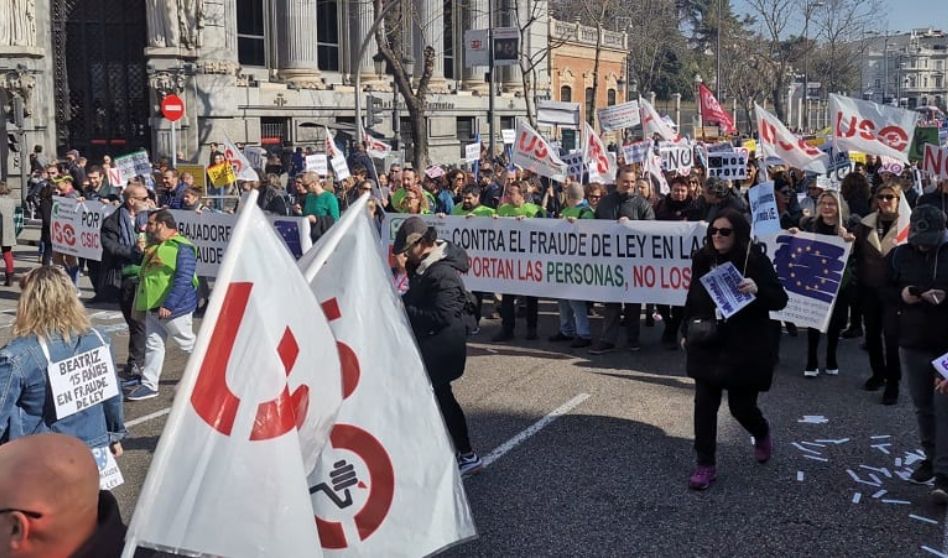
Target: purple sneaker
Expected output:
[702,478]
[763,449]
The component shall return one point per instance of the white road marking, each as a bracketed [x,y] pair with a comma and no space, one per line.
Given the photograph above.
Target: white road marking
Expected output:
[524,435]
[148,417]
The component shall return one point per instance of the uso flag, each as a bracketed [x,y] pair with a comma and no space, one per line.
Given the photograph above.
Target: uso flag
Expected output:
[811,268]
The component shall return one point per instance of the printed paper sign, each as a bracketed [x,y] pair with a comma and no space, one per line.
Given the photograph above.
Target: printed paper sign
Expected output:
[81,381]
[210,232]
[575,166]
[618,117]
[605,261]
[677,156]
[941,365]
[935,161]
[222,175]
[317,163]
[764,215]
[340,167]
[729,166]
[811,268]
[131,165]
[472,152]
[75,227]
[199,172]
[110,476]
[721,283]
[637,152]
[509,136]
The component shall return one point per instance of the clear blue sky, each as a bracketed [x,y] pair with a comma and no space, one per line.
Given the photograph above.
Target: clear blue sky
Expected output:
[902,15]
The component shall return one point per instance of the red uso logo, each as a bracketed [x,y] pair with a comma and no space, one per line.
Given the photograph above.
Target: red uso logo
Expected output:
[63,233]
[233,159]
[768,133]
[602,162]
[535,146]
[892,135]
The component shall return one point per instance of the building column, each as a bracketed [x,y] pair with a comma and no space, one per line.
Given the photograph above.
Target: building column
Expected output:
[431,31]
[296,25]
[475,17]
[365,16]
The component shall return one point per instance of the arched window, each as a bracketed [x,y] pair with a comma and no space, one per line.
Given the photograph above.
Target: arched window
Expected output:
[327,35]
[566,94]
[251,33]
[611,97]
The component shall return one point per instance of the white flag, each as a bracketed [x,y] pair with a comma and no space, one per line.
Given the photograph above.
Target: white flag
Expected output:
[777,141]
[375,148]
[535,154]
[336,159]
[652,123]
[254,409]
[653,166]
[403,494]
[242,167]
[872,128]
[601,167]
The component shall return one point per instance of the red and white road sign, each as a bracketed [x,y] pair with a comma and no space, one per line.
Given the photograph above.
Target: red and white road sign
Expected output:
[172,108]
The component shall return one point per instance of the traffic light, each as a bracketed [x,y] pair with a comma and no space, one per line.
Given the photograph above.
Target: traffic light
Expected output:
[373,112]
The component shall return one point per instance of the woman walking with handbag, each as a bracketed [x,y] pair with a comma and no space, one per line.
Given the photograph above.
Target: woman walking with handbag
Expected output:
[732,354]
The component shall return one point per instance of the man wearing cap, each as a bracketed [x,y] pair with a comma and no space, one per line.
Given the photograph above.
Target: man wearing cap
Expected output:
[437,306]
[918,278]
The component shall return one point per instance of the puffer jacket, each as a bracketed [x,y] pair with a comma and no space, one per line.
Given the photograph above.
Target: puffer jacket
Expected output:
[922,326]
[435,303]
[631,206]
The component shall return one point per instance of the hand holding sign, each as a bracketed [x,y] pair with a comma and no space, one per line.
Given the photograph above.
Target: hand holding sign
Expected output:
[729,290]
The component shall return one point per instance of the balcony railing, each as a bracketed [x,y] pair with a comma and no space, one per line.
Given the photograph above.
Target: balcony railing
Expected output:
[586,35]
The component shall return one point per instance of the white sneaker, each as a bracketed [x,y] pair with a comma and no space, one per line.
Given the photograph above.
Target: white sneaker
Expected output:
[811,373]
[832,371]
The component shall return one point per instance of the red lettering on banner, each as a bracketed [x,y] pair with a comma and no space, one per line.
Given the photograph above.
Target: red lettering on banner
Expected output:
[933,161]
[530,271]
[892,136]
[643,276]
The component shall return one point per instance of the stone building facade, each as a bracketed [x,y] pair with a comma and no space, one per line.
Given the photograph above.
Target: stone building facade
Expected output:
[911,67]
[270,72]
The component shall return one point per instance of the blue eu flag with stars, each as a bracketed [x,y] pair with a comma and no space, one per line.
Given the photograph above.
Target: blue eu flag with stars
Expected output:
[809,267]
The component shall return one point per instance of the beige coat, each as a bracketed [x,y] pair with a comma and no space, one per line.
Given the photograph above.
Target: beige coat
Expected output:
[7,227]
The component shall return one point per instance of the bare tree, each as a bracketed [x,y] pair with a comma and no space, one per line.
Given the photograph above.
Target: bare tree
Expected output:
[774,16]
[390,36]
[532,59]
[842,26]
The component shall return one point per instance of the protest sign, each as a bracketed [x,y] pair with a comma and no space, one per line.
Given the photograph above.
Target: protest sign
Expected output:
[531,152]
[891,165]
[935,162]
[653,124]
[872,128]
[472,152]
[81,381]
[411,501]
[923,135]
[605,261]
[618,117]
[575,166]
[222,174]
[729,166]
[375,148]
[199,172]
[677,156]
[777,141]
[336,159]
[636,152]
[750,145]
[600,167]
[256,156]
[253,411]
[243,170]
[317,163]
[722,285]
[764,215]
[211,233]
[110,476]
[653,166]
[74,227]
[941,365]
[857,157]
[811,268]
[131,165]
[508,136]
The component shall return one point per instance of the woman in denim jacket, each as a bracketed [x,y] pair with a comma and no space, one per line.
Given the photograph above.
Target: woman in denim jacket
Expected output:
[49,309]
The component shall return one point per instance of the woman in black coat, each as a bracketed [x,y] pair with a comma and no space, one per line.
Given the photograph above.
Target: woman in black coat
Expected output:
[733,354]
[435,303]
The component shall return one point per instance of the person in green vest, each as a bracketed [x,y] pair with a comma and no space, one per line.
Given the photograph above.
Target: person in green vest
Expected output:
[574,322]
[471,206]
[319,202]
[167,294]
[517,207]
[410,182]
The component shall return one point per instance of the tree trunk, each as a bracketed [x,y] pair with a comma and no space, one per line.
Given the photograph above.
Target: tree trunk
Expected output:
[591,107]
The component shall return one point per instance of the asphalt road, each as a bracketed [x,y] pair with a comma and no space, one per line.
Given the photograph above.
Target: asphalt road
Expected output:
[609,476]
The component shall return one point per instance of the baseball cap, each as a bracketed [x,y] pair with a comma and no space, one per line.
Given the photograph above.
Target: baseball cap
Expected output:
[926,226]
[412,230]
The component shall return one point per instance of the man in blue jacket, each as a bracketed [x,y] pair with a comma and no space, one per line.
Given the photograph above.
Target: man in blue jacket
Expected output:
[167,294]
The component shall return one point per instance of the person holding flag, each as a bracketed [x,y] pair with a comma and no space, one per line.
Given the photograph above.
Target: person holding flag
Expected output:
[436,304]
[876,235]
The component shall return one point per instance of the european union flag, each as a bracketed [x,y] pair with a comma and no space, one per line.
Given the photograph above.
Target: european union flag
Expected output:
[809,267]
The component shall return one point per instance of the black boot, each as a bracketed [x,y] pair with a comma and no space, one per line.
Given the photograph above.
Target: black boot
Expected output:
[891,394]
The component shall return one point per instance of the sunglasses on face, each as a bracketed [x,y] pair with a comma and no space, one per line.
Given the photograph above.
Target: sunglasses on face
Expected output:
[723,231]
[886,197]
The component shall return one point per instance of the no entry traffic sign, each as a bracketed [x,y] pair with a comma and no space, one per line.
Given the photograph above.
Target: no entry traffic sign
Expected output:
[172,108]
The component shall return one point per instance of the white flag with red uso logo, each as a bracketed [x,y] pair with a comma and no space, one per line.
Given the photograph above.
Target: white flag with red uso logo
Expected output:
[254,409]
[242,166]
[375,148]
[652,122]
[601,168]
[872,128]
[388,483]
[775,140]
[535,154]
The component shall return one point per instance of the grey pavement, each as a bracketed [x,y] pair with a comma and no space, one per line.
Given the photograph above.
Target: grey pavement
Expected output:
[609,477]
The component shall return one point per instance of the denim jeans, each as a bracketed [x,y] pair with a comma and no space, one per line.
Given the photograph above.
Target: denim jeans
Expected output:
[573,319]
